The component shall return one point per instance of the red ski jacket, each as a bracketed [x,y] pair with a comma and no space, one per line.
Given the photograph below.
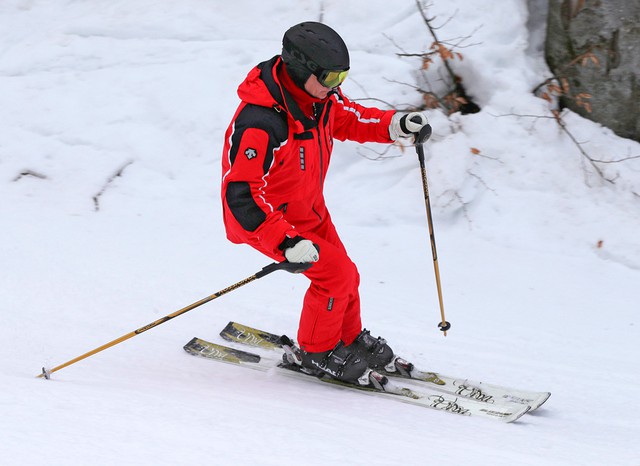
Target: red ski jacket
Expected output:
[275,159]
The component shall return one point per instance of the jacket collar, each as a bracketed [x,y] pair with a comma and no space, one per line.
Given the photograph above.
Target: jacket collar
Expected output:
[262,87]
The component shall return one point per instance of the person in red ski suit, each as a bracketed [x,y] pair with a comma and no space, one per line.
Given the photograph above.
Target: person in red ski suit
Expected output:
[276,155]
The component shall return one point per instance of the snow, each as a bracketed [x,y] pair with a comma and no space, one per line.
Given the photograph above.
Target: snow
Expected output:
[112,115]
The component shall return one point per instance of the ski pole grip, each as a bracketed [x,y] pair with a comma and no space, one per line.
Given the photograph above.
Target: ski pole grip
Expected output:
[291,267]
[423,135]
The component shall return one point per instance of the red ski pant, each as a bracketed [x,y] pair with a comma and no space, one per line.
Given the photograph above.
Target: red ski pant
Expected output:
[331,306]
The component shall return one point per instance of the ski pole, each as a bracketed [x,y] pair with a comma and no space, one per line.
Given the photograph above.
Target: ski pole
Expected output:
[420,139]
[288,266]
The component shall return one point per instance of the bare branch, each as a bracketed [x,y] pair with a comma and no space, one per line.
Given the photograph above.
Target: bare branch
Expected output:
[558,118]
[624,159]
[427,21]
[378,155]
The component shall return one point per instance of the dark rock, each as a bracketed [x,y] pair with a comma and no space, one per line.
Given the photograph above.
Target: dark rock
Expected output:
[595,45]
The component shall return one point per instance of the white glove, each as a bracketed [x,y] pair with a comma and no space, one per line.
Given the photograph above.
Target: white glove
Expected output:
[405,125]
[300,250]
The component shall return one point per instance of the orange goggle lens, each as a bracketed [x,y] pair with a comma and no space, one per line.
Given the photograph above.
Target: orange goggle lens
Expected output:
[332,79]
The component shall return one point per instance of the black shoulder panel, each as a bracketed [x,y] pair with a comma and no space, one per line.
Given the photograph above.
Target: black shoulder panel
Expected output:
[267,119]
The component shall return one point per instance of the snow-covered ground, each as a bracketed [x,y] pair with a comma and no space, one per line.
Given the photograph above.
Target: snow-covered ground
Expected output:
[112,115]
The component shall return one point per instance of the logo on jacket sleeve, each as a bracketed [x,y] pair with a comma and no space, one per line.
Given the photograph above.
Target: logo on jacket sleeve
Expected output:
[251,153]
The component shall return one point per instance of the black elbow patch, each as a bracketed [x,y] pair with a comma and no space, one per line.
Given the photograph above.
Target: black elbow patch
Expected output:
[243,206]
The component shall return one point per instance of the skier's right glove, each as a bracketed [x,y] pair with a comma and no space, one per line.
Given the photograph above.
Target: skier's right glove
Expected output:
[300,250]
[405,125]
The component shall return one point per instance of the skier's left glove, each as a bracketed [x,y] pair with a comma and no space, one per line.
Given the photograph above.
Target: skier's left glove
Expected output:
[300,250]
[405,125]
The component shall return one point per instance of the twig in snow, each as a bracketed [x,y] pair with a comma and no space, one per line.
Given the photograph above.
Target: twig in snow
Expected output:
[30,173]
[118,173]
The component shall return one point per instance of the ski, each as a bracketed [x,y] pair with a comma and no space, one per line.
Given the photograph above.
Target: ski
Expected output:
[379,385]
[458,386]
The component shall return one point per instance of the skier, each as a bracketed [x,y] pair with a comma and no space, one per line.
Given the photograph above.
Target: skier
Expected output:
[276,154]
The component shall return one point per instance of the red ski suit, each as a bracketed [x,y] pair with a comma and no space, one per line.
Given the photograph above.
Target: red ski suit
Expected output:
[274,163]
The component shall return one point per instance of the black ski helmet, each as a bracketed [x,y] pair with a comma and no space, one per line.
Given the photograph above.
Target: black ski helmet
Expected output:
[313,48]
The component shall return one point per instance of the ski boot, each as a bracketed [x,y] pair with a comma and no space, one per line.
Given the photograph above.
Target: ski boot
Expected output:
[340,363]
[379,355]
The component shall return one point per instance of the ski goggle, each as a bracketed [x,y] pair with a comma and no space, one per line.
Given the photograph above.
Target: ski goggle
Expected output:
[332,78]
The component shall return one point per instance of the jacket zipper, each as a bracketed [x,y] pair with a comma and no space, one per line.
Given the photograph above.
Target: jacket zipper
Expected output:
[319,119]
[321,169]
